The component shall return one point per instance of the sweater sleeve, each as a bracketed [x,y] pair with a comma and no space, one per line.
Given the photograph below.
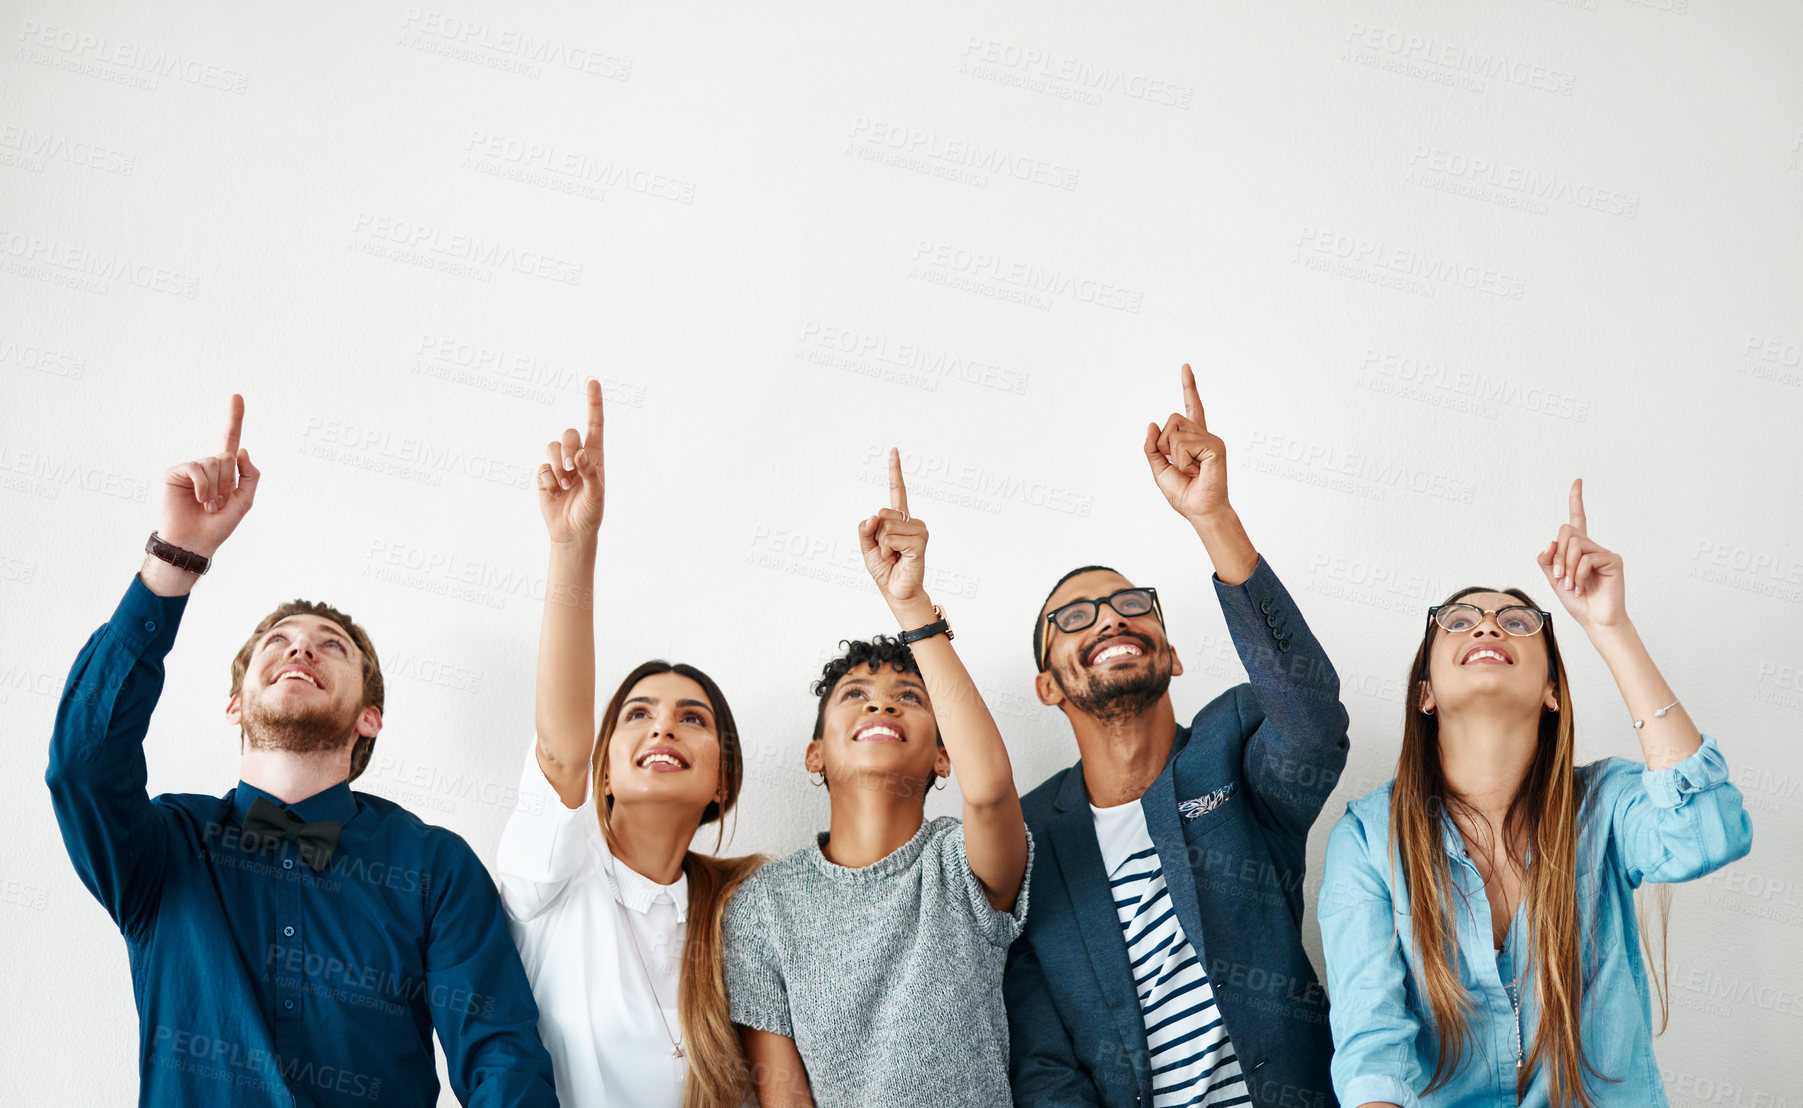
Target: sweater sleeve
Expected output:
[756,994]
[996,927]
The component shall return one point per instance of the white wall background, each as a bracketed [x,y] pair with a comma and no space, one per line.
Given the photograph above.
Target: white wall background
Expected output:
[1430,260]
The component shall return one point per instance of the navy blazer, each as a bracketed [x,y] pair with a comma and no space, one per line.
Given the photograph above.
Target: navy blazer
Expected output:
[1230,815]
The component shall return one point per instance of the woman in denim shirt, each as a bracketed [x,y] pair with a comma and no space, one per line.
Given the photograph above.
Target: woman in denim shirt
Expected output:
[1465,963]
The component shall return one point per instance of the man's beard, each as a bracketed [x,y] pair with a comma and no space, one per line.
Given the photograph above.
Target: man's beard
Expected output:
[318,730]
[1113,699]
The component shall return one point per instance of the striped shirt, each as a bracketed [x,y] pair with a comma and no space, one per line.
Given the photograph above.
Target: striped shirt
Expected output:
[1193,1063]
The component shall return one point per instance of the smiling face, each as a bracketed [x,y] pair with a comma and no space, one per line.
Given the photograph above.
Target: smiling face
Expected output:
[303,689]
[877,728]
[1117,667]
[664,747]
[1485,668]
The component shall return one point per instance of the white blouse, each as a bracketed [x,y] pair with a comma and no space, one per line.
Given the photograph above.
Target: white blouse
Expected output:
[598,1014]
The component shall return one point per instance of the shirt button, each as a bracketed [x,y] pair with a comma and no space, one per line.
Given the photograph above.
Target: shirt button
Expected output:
[150,625]
[288,1004]
[288,931]
[287,863]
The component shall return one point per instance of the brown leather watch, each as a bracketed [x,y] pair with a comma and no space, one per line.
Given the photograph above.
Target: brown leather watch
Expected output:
[186,560]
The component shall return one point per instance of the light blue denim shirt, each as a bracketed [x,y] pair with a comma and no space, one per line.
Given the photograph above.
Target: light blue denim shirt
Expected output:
[1674,824]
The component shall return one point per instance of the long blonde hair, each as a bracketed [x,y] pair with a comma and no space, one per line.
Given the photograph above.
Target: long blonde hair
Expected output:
[1545,812]
[717,1073]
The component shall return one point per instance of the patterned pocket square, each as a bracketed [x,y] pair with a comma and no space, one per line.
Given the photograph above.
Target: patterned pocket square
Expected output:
[1202,805]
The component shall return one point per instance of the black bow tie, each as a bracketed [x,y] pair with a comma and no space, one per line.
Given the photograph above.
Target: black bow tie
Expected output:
[266,821]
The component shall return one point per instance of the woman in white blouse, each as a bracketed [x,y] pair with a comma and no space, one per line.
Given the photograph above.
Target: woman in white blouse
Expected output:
[601,896]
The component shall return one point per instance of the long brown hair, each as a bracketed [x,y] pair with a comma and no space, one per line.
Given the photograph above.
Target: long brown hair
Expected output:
[1545,813]
[717,1074]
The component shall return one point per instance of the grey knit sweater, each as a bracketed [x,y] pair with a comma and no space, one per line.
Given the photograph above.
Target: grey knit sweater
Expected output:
[888,977]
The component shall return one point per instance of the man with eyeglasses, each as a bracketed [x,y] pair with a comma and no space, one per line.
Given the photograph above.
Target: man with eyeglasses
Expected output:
[1163,962]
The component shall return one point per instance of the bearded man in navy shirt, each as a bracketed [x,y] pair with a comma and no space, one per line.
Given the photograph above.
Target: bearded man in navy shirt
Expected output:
[292,942]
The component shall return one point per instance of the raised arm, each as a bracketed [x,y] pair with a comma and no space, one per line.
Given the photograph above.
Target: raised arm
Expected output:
[114,834]
[1681,818]
[570,496]
[995,834]
[1588,581]
[1190,466]
[1297,748]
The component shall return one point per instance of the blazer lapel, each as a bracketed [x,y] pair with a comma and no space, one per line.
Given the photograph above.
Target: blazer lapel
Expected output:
[1166,826]
[1079,859]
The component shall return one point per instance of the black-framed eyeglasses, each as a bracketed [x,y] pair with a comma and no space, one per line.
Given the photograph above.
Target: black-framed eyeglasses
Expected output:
[1515,619]
[1078,614]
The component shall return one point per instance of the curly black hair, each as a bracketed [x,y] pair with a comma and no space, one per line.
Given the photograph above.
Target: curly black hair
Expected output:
[876,652]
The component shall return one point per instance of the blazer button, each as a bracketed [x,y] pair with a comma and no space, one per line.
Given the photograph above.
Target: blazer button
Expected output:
[1283,645]
[1270,621]
[1264,606]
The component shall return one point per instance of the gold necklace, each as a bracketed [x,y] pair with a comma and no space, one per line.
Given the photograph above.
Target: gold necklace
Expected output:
[626,922]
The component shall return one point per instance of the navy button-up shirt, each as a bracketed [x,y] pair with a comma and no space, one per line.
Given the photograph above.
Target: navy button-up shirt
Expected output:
[259,981]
